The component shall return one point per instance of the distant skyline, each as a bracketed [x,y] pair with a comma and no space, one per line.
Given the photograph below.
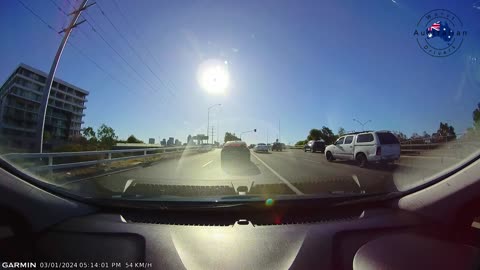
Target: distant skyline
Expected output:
[306,64]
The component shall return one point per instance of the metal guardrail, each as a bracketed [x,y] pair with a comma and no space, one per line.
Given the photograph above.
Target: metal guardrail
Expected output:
[105,156]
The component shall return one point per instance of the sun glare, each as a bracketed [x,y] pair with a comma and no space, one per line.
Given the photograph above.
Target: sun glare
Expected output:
[213,76]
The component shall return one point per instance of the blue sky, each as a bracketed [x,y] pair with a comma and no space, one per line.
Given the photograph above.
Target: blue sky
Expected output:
[306,64]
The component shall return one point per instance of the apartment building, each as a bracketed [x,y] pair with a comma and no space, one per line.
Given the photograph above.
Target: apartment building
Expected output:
[20,98]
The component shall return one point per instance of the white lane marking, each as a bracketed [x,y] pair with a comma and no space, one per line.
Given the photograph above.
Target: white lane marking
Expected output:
[206,164]
[127,184]
[355,178]
[292,187]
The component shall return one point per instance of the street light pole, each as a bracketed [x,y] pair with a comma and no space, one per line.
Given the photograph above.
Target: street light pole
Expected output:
[208,118]
[48,84]
[253,130]
[362,124]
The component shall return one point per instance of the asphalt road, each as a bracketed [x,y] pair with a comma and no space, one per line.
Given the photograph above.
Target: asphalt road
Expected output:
[296,170]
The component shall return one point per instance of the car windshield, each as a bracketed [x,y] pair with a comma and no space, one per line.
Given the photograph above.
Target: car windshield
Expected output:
[158,100]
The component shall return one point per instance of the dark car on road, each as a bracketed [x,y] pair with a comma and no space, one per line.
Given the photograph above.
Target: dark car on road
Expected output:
[315,146]
[277,146]
[235,151]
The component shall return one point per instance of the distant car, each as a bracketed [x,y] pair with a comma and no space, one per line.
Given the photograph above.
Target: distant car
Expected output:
[277,146]
[235,151]
[251,146]
[315,146]
[365,147]
[261,147]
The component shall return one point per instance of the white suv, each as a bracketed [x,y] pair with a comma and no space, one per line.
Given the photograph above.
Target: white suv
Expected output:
[365,147]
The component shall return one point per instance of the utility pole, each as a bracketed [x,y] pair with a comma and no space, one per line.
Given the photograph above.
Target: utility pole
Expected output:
[278,139]
[208,118]
[212,134]
[218,130]
[48,84]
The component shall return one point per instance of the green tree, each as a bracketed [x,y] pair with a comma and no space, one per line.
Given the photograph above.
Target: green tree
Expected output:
[446,131]
[106,136]
[133,139]
[327,135]
[90,135]
[315,134]
[230,137]
[301,143]
[341,131]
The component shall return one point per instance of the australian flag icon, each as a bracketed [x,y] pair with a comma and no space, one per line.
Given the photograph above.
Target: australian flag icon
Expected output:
[441,30]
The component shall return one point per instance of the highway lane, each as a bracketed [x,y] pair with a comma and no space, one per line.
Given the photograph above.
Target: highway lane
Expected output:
[298,166]
[299,171]
[194,169]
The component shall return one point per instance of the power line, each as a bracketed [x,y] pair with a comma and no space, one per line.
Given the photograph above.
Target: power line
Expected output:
[62,11]
[111,57]
[99,67]
[143,41]
[94,22]
[58,7]
[36,15]
[94,25]
[89,58]
[133,49]
[119,55]
[80,51]
[74,46]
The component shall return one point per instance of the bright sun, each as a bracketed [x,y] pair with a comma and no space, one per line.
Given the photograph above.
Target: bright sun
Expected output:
[213,76]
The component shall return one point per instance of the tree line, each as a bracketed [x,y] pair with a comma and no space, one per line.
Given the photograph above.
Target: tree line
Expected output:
[104,138]
[325,134]
[444,133]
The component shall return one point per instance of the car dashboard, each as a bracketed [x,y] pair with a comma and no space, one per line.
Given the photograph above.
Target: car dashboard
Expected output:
[166,240]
